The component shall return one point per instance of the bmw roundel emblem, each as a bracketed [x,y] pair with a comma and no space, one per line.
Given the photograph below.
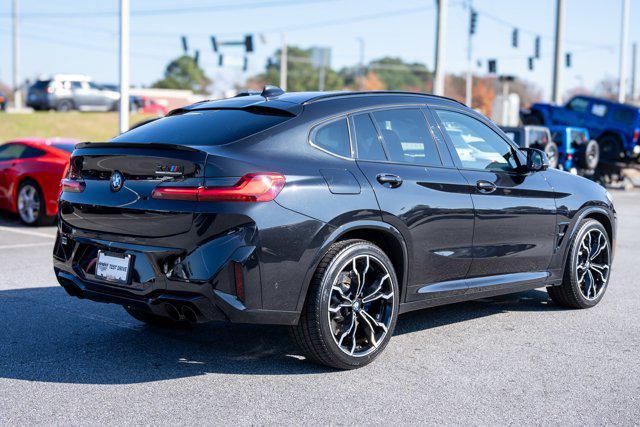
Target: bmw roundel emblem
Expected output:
[116,181]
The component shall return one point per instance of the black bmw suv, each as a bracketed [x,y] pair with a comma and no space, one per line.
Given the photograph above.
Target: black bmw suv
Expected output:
[328,212]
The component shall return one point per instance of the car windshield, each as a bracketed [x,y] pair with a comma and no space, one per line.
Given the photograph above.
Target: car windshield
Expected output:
[203,127]
[41,84]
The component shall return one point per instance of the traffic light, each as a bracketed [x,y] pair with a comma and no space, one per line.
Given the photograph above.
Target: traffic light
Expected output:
[530,59]
[567,60]
[473,19]
[514,38]
[248,43]
[220,60]
[245,64]
[196,57]
[493,66]
[185,45]
[536,48]
[214,44]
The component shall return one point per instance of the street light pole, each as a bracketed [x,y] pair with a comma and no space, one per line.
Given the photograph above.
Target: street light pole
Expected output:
[283,63]
[17,96]
[469,82]
[634,71]
[557,59]
[123,117]
[441,32]
[624,40]
[361,71]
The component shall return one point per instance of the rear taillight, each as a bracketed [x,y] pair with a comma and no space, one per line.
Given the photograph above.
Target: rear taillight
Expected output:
[253,187]
[72,186]
[49,89]
[636,135]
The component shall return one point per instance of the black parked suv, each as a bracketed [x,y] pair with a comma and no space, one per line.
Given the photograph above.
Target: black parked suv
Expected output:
[328,212]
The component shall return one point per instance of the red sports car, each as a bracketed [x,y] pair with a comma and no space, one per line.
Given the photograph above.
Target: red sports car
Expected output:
[30,174]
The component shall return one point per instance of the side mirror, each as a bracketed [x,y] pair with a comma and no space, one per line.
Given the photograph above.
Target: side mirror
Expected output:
[537,160]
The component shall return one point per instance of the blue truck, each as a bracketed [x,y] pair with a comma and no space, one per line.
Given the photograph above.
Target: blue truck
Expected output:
[615,126]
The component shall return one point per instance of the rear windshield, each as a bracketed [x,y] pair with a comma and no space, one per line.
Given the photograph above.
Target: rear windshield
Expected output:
[41,84]
[203,127]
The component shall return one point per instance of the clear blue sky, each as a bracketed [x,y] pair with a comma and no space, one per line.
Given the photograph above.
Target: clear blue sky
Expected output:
[80,36]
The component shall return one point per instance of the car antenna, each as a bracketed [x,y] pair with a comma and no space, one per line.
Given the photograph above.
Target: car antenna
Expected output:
[271,92]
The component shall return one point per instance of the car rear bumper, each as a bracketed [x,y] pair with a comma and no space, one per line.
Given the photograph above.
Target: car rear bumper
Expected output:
[162,293]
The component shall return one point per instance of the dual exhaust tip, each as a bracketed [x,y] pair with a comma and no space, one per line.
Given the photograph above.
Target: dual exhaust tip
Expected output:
[180,313]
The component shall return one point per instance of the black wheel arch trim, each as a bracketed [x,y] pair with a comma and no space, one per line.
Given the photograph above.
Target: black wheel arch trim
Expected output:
[336,234]
[584,213]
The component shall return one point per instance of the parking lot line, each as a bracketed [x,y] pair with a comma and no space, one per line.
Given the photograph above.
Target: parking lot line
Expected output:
[24,245]
[27,232]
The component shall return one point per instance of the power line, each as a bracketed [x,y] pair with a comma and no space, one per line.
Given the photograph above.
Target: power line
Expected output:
[174,10]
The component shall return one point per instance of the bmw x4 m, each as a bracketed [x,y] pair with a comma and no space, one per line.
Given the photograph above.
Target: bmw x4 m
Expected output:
[331,213]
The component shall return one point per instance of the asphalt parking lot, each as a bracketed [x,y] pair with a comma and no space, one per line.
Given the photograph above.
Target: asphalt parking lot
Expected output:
[516,359]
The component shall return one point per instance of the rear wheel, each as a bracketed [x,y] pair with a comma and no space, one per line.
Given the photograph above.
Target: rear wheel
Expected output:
[64,105]
[587,270]
[610,148]
[31,205]
[352,306]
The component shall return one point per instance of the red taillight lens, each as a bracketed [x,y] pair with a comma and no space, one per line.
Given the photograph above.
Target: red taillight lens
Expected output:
[253,187]
[71,186]
[636,135]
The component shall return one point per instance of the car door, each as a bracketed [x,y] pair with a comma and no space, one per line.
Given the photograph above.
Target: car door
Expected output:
[9,157]
[515,211]
[421,193]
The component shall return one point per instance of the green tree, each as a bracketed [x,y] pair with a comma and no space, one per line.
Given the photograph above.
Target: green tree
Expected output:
[399,75]
[301,74]
[184,73]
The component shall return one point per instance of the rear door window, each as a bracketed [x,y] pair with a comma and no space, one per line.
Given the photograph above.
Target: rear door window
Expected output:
[406,136]
[367,139]
[32,153]
[333,137]
[203,127]
[599,110]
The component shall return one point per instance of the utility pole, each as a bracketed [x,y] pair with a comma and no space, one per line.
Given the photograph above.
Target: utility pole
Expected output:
[557,59]
[441,32]
[321,78]
[634,71]
[283,63]
[123,118]
[624,40]
[471,30]
[17,96]
[361,71]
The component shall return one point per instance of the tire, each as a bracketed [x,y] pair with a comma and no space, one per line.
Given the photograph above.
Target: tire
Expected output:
[153,319]
[64,105]
[610,148]
[31,205]
[551,150]
[575,292]
[589,156]
[324,336]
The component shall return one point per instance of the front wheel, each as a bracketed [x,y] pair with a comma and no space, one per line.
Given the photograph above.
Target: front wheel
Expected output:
[587,270]
[351,308]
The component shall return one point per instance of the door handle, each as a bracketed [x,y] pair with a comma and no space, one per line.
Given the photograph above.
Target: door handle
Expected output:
[485,187]
[389,180]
